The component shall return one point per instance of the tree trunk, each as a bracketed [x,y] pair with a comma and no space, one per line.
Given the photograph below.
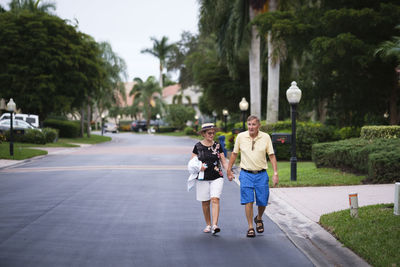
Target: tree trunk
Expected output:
[273,77]
[82,121]
[255,69]
[161,77]
[88,119]
[394,115]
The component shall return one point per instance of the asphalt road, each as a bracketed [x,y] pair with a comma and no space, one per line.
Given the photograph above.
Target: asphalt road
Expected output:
[124,203]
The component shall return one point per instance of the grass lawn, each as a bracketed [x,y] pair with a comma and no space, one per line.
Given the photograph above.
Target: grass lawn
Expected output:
[23,150]
[375,235]
[20,152]
[309,175]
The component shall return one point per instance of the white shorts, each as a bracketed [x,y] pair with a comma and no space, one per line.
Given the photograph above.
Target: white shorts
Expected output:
[205,190]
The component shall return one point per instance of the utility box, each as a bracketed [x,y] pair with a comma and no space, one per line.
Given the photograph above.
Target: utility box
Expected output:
[281,138]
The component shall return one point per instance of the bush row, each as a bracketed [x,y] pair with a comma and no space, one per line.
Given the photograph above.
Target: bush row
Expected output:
[66,129]
[372,132]
[34,136]
[378,158]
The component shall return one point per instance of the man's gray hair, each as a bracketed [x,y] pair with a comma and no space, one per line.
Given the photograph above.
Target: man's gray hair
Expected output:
[253,117]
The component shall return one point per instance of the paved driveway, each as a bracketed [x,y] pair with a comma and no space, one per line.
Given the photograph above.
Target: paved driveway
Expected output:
[124,203]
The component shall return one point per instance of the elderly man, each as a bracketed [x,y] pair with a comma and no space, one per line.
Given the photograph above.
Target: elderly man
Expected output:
[253,146]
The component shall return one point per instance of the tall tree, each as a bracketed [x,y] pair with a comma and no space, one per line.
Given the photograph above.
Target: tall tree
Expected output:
[147,96]
[390,52]
[161,50]
[16,6]
[336,41]
[46,65]
[229,21]
[113,76]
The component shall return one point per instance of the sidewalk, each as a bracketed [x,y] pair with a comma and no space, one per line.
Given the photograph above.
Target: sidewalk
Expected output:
[297,211]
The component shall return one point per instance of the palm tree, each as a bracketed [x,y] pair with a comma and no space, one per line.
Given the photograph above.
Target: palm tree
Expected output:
[147,96]
[161,49]
[112,81]
[229,19]
[390,51]
[31,5]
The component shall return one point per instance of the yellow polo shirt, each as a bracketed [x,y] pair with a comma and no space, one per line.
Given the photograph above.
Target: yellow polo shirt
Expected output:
[253,157]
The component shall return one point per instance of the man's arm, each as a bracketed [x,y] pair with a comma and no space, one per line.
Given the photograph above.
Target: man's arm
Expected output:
[230,164]
[274,163]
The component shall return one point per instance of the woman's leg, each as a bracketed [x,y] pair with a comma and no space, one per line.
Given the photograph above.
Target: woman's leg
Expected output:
[215,210]
[206,211]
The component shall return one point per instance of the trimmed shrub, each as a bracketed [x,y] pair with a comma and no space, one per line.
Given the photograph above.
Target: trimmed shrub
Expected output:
[67,129]
[189,131]
[379,158]
[307,134]
[372,132]
[167,129]
[349,132]
[51,135]
[33,136]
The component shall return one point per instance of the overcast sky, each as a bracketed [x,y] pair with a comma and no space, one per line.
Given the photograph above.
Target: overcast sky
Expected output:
[129,24]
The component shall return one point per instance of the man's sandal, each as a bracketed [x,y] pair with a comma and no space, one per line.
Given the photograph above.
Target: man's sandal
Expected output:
[251,233]
[260,229]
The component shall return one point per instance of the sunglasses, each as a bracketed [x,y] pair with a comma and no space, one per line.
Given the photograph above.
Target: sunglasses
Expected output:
[252,145]
[210,133]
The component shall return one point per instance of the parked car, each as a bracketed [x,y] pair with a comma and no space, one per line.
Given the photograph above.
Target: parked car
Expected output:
[19,126]
[110,127]
[139,126]
[29,118]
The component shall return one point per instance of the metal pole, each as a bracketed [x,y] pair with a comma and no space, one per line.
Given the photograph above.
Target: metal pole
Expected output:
[244,115]
[225,118]
[102,126]
[293,159]
[11,134]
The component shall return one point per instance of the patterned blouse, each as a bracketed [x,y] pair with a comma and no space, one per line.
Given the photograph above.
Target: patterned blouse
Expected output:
[211,156]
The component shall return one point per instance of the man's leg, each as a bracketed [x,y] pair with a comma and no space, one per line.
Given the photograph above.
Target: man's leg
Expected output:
[249,214]
[261,210]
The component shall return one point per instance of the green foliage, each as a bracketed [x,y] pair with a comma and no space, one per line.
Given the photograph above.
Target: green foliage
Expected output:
[51,135]
[189,131]
[178,115]
[372,132]
[66,129]
[307,134]
[34,136]
[47,65]
[349,132]
[379,157]
[330,48]
[229,139]
[374,235]
[167,129]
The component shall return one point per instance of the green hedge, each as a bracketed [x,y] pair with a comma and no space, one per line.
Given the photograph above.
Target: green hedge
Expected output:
[307,134]
[379,158]
[372,132]
[190,131]
[66,129]
[34,136]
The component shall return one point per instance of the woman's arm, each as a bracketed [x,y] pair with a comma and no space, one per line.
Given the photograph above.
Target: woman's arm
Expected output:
[223,161]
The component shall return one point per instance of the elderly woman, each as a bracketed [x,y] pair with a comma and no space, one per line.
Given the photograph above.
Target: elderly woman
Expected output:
[209,182]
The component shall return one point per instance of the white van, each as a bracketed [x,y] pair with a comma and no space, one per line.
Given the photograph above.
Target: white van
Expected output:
[29,118]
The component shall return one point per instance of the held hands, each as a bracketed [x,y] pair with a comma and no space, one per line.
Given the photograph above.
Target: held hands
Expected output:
[230,174]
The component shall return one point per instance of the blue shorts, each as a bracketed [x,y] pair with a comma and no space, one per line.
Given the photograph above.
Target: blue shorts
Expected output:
[254,183]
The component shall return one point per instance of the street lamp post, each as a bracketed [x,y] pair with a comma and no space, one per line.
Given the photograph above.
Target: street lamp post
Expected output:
[102,124]
[158,117]
[11,106]
[293,95]
[244,105]
[225,113]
